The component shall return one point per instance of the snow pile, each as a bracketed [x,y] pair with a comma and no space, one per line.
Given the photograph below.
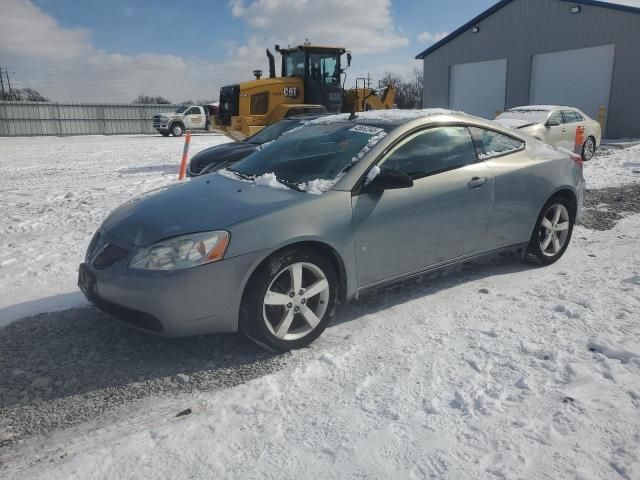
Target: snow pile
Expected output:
[269,180]
[318,186]
[264,180]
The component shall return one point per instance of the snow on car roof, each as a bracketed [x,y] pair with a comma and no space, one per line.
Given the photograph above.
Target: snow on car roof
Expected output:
[388,116]
[542,108]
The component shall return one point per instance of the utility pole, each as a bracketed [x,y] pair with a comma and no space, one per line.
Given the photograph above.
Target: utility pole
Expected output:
[6,71]
[2,84]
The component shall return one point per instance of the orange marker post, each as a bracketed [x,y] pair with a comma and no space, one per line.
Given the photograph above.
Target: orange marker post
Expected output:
[577,149]
[185,154]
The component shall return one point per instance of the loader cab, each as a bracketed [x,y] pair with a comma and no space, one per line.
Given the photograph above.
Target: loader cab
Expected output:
[320,67]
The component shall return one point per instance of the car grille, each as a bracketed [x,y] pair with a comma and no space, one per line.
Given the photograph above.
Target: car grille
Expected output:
[156,121]
[108,256]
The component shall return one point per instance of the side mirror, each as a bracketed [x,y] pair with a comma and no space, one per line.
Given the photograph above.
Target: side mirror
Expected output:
[552,123]
[348,59]
[388,179]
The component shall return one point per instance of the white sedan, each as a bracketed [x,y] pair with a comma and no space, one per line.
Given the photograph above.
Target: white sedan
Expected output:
[556,126]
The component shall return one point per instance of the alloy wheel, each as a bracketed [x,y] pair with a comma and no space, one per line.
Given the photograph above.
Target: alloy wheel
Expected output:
[589,149]
[296,301]
[554,230]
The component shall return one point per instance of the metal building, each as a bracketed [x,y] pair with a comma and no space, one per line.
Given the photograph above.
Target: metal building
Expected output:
[582,53]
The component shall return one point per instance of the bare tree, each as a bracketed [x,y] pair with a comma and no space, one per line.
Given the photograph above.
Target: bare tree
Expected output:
[409,91]
[147,99]
[24,95]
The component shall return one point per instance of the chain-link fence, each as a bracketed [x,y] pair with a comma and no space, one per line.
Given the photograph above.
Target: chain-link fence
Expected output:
[40,118]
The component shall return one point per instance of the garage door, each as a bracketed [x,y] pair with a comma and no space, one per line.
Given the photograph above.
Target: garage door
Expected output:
[578,78]
[478,88]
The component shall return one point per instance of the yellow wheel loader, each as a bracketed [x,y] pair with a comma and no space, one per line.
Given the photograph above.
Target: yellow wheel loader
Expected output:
[310,82]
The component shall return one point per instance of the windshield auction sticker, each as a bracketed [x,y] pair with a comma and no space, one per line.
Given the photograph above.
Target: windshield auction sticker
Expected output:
[366,129]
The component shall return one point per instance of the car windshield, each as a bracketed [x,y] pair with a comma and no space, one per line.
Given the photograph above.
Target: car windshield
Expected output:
[272,132]
[182,109]
[531,116]
[315,152]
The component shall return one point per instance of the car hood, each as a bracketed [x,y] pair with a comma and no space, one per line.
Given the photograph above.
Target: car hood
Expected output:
[208,203]
[168,114]
[221,152]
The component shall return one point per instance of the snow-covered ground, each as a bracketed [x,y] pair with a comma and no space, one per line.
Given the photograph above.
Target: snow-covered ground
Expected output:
[488,370]
[55,193]
[612,166]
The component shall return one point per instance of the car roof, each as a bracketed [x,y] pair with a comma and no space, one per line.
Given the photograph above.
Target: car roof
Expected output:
[542,108]
[305,117]
[389,117]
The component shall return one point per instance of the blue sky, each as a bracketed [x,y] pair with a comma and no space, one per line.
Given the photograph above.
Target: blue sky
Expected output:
[205,27]
[97,50]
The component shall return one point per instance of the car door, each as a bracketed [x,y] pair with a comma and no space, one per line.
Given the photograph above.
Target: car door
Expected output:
[514,211]
[444,215]
[556,133]
[194,118]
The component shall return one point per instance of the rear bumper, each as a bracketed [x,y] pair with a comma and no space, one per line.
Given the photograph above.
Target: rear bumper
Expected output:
[179,303]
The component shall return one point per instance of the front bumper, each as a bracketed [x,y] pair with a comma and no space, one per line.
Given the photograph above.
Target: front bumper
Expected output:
[193,301]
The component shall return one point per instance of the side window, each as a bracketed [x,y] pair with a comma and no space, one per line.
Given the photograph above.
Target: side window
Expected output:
[556,117]
[579,117]
[193,111]
[259,103]
[432,151]
[491,144]
[569,116]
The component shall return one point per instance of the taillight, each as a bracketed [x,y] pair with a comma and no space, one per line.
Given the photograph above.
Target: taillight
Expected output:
[577,159]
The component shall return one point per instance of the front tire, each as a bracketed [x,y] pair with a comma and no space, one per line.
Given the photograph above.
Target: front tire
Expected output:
[588,149]
[165,133]
[290,300]
[552,233]
[177,130]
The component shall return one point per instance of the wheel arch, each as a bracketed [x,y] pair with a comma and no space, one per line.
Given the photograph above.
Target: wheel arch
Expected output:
[322,247]
[569,194]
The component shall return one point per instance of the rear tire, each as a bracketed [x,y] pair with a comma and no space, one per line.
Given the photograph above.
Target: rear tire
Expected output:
[588,149]
[177,130]
[552,233]
[290,300]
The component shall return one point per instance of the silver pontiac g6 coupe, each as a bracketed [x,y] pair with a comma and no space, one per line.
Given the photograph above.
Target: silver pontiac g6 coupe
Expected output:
[329,210]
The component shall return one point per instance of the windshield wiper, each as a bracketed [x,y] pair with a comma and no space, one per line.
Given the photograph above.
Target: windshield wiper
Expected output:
[290,184]
[243,175]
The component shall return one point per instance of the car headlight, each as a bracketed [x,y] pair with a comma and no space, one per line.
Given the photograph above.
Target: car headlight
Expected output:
[164,119]
[185,251]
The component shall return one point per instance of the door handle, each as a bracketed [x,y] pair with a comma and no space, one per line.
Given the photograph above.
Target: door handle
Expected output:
[477,182]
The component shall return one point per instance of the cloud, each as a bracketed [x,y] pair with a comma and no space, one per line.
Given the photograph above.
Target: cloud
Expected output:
[361,28]
[429,38]
[63,64]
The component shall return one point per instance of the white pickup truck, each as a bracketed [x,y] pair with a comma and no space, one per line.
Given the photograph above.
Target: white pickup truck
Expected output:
[187,117]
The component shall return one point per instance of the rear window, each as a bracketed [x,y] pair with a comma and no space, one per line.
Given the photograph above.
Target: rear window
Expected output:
[533,116]
[490,144]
